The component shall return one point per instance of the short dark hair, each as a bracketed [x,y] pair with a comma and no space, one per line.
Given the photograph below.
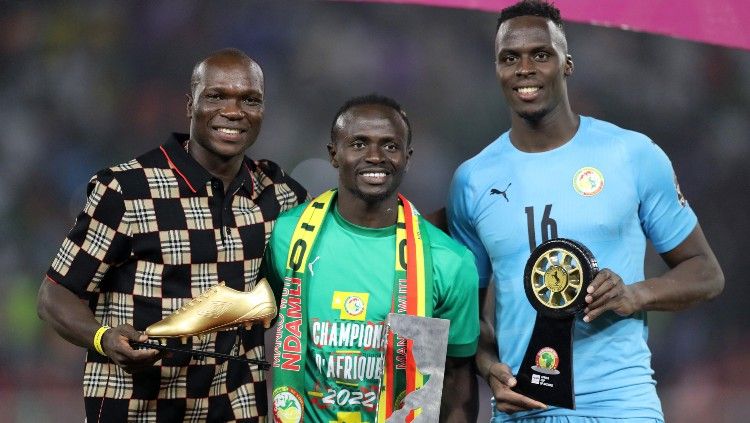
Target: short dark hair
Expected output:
[372,99]
[540,8]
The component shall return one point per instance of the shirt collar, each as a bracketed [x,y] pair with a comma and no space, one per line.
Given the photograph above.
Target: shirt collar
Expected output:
[194,175]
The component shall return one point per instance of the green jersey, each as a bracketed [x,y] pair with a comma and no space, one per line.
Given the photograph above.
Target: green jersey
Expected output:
[351,292]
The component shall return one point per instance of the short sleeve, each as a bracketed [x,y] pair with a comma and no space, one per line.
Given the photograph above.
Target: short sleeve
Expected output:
[300,193]
[289,193]
[460,212]
[665,216]
[273,267]
[458,302]
[272,259]
[99,239]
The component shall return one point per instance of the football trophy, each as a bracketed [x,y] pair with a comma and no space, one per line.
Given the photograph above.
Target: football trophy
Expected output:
[217,308]
[556,277]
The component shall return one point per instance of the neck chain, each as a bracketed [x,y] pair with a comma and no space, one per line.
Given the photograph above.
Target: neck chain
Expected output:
[187,144]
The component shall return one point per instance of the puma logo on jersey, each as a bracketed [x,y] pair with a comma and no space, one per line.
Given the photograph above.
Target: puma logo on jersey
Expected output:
[310,266]
[494,191]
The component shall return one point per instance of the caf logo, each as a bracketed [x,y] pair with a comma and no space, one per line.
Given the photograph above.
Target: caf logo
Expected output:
[546,361]
[680,197]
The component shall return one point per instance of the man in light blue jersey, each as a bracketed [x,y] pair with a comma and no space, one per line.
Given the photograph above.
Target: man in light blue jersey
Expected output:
[558,174]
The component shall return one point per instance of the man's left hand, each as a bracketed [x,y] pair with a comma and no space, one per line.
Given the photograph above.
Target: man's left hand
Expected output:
[608,292]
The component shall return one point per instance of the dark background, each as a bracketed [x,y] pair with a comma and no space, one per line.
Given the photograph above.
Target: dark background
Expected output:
[85,85]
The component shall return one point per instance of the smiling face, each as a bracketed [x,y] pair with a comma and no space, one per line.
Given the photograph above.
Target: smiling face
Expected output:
[370,151]
[225,107]
[531,63]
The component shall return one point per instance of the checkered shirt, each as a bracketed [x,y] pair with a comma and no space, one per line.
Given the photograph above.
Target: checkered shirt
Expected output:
[154,233]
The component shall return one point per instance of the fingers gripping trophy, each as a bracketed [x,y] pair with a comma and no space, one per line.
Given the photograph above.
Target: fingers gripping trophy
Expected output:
[556,277]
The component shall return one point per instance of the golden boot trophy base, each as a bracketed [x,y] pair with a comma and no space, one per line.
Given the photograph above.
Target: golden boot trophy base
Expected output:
[218,308]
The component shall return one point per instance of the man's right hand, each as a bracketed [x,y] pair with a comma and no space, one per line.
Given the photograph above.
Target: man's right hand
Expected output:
[116,344]
[501,383]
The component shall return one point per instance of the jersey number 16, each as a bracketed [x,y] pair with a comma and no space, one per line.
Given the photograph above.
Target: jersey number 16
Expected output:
[548,226]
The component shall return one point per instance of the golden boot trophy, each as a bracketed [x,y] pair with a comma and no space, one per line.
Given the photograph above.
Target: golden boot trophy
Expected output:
[217,308]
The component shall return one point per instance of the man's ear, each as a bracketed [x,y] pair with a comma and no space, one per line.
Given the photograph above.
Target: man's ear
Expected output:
[568,65]
[332,155]
[189,106]
[409,152]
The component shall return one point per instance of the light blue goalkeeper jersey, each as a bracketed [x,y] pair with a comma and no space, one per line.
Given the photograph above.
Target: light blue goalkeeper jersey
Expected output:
[608,188]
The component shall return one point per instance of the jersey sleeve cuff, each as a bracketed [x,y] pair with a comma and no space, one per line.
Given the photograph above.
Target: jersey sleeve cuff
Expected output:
[677,239]
[462,350]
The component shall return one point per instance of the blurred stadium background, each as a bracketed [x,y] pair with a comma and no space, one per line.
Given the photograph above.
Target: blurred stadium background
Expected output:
[88,84]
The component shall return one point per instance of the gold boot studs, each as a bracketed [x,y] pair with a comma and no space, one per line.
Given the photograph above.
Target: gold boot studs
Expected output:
[218,308]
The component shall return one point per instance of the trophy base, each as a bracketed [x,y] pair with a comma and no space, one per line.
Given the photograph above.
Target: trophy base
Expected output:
[546,372]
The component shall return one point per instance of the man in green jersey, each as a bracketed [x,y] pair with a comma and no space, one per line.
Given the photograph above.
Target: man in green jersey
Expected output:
[340,263]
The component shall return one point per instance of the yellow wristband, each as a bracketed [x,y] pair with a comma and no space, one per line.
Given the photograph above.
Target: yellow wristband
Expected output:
[98,339]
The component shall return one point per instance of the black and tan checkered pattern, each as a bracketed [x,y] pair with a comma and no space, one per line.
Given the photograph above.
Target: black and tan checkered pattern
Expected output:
[156,232]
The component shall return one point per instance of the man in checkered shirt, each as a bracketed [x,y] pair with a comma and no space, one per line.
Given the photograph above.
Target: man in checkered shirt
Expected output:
[159,230]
